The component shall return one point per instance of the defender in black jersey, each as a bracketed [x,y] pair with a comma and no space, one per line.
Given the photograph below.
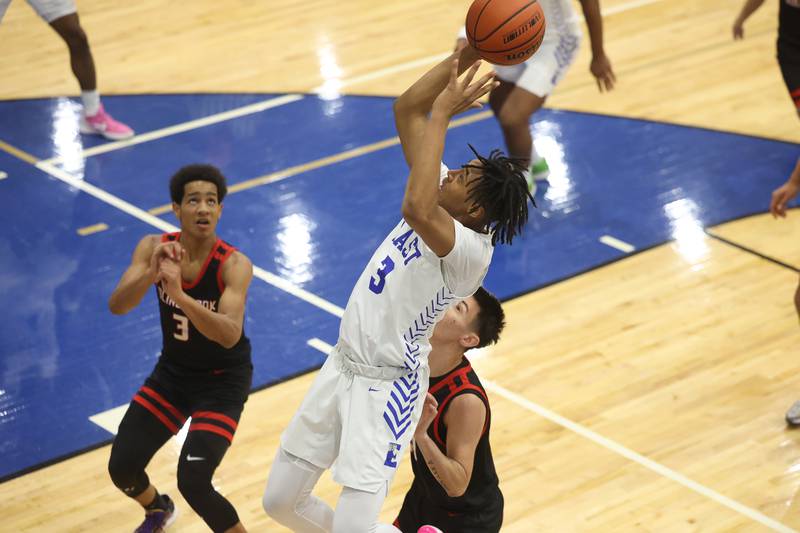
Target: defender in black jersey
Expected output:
[455,487]
[204,371]
[788,41]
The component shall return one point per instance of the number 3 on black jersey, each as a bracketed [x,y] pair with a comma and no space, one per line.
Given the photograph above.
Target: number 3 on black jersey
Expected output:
[181,328]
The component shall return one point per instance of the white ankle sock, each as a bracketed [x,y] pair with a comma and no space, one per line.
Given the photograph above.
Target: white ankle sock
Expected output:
[91,102]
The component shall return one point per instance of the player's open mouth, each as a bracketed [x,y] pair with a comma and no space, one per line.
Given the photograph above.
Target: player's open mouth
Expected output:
[203,223]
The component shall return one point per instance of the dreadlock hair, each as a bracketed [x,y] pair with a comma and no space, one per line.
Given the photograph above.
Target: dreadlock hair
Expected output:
[196,172]
[503,194]
[490,320]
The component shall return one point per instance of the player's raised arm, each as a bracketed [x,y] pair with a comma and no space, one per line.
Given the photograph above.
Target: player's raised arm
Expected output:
[421,207]
[225,325]
[412,107]
[141,273]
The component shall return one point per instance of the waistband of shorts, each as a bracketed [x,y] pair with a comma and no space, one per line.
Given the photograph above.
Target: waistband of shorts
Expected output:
[344,362]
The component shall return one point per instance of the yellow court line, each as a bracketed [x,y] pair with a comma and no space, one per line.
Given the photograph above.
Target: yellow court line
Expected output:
[16,152]
[324,161]
[95,228]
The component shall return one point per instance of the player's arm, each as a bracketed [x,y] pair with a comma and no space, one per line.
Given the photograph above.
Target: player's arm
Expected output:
[748,9]
[412,107]
[785,193]
[225,326]
[600,65]
[421,208]
[464,420]
[138,277]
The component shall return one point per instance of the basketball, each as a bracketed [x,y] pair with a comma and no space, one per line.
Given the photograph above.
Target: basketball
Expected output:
[505,32]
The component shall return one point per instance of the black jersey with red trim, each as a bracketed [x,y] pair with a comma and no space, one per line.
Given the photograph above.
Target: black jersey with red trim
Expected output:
[184,345]
[789,23]
[483,491]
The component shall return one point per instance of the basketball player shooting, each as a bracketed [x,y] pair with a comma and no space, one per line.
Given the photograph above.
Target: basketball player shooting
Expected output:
[362,409]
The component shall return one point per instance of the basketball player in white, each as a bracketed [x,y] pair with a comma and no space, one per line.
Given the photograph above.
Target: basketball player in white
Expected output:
[524,88]
[62,16]
[361,412]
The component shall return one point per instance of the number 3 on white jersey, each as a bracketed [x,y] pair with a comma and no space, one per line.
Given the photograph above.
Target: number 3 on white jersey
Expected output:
[182,328]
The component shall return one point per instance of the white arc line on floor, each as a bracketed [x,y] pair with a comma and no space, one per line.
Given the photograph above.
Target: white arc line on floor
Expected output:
[619,449]
[156,222]
[613,242]
[186,126]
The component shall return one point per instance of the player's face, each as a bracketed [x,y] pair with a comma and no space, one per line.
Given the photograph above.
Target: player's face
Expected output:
[458,324]
[200,209]
[454,192]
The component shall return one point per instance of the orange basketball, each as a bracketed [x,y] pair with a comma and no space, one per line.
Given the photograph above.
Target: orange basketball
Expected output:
[505,32]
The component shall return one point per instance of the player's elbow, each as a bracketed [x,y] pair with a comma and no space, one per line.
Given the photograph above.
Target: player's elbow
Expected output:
[116,307]
[414,212]
[457,490]
[231,339]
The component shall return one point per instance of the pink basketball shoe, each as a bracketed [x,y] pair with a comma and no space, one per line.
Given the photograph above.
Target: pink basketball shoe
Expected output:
[101,123]
[429,529]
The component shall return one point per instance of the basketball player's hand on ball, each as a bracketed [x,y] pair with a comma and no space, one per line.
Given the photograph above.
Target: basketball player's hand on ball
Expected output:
[429,410]
[463,94]
[169,275]
[782,196]
[601,70]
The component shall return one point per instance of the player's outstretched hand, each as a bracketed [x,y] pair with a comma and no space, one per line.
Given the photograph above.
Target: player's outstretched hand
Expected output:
[738,30]
[463,94]
[600,68]
[782,196]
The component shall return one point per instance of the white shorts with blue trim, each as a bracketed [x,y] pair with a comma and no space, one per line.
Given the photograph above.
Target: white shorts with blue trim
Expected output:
[357,422]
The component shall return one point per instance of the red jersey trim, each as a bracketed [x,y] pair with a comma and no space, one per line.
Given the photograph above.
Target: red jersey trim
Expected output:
[467,388]
[222,258]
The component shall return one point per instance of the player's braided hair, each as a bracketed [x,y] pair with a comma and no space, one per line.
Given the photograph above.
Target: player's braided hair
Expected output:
[503,194]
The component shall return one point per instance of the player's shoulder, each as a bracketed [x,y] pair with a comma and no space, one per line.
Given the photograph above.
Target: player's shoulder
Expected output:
[149,242]
[238,263]
[465,406]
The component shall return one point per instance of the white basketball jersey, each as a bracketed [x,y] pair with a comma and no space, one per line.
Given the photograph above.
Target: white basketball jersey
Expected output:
[404,291]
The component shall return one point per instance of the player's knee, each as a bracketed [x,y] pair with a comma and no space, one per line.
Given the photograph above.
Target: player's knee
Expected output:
[76,38]
[278,504]
[194,483]
[125,476]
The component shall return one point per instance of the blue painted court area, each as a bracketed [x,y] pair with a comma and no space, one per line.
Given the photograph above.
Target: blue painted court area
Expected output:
[64,357]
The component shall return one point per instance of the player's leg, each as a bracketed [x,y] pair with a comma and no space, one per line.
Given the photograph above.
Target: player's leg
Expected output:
[357,512]
[63,18]
[309,445]
[513,107]
[148,423]
[3,7]
[288,499]
[210,435]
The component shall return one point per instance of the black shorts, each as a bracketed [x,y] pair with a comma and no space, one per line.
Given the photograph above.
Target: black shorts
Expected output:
[789,61]
[213,398]
[417,511]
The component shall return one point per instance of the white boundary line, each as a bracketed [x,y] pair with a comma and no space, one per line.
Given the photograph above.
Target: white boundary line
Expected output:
[637,458]
[156,222]
[185,126]
[281,100]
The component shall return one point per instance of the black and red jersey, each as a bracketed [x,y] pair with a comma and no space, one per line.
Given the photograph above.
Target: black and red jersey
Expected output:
[789,24]
[483,491]
[184,345]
